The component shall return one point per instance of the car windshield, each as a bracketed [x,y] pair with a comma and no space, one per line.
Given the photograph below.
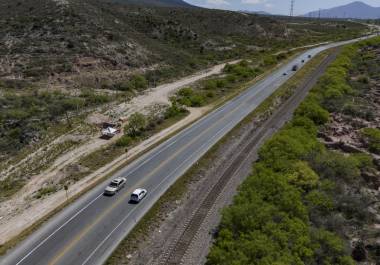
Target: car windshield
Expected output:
[113,185]
[134,196]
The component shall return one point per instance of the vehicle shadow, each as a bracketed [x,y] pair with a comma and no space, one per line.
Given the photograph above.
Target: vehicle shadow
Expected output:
[108,195]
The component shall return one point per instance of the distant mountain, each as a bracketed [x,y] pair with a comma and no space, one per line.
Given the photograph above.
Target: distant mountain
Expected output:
[164,3]
[353,10]
[256,12]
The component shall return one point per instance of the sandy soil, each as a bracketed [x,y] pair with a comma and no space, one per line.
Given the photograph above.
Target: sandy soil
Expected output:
[161,94]
[22,209]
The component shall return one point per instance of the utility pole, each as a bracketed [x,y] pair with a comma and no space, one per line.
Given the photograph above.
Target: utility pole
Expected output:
[292,3]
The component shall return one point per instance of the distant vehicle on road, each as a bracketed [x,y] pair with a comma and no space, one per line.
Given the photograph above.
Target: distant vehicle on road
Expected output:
[115,185]
[295,68]
[303,61]
[285,73]
[309,56]
[137,195]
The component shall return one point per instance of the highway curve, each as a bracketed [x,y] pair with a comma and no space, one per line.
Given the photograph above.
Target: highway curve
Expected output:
[87,231]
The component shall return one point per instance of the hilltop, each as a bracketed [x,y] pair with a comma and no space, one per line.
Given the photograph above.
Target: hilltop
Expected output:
[65,55]
[353,10]
[59,38]
[163,3]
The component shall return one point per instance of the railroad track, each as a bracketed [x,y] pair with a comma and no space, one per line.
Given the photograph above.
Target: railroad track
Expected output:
[176,252]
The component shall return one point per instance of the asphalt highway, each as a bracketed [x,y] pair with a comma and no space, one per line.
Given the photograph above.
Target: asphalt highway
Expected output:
[87,231]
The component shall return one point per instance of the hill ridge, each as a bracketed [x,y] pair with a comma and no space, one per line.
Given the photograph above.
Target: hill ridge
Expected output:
[356,9]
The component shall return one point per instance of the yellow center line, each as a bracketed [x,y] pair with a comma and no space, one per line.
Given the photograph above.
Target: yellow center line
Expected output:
[121,199]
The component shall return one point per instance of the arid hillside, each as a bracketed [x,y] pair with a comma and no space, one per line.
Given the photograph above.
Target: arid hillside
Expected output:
[60,56]
[60,38]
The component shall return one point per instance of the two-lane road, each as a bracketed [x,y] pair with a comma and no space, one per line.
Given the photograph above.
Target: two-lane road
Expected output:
[89,230]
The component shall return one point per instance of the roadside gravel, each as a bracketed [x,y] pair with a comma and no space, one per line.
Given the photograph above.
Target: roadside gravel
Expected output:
[157,245]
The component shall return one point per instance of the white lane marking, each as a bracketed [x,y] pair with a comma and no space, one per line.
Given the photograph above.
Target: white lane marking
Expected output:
[134,170]
[181,135]
[186,132]
[59,228]
[158,186]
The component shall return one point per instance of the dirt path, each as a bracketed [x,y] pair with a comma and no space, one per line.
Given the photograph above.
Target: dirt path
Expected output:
[162,93]
[18,213]
[21,210]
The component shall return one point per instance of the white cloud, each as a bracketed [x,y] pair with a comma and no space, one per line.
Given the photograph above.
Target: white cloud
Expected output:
[268,5]
[253,2]
[217,2]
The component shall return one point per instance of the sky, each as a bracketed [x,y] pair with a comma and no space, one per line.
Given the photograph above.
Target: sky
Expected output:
[276,6]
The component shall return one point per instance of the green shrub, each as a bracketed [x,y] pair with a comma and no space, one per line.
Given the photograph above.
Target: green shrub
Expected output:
[319,201]
[363,79]
[45,191]
[302,176]
[363,160]
[231,78]
[197,100]
[139,82]
[270,60]
[336,166]
[288,146]
[373,137]
[220,83]
[9,186]
[186,92]
[329,248]
[136,125]
[210,84]
[189,97]
[124,141]
[174,110]
[123,86]
[313,111]
[210,94]
[241,69]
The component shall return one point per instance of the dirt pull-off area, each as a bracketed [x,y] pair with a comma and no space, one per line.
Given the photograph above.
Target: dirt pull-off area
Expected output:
[26,206]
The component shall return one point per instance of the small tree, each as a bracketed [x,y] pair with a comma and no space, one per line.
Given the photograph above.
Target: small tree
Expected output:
[139,82]
[137,123]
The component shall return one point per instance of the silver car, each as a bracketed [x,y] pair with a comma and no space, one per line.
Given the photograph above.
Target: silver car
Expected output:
[115,185]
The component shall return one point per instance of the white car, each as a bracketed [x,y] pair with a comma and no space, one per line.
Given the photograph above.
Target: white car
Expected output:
[115,185]
[138,195]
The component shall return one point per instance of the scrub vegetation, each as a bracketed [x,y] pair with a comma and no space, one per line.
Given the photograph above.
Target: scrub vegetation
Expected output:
[139,128]
[148,225]
[302,203]
[58,58]
[25,116]
[233,78]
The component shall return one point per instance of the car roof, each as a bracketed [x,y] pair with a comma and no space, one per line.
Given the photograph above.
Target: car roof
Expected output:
[137,191]
[117,180]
